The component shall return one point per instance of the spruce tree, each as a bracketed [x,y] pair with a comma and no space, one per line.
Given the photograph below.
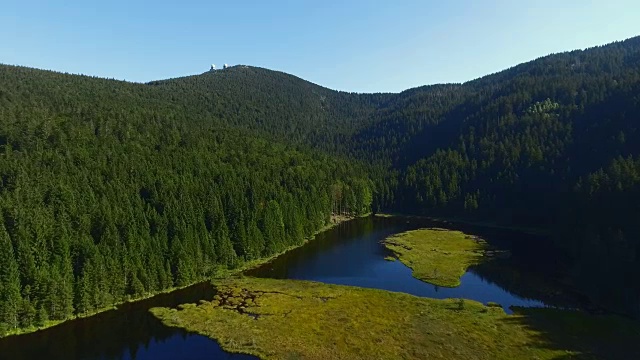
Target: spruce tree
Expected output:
[10,299]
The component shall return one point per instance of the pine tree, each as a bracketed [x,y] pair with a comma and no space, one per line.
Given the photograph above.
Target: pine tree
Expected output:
[257,241]
[10,299]
[42,316]
[273,228]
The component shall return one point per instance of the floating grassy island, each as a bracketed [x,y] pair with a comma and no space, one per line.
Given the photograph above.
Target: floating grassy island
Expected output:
[437,256]
[289,319]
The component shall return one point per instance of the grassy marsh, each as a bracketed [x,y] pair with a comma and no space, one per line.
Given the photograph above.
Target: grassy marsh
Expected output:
[288,319]
[437,256]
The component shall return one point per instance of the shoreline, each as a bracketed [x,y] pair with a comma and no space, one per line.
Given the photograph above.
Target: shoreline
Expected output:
[219,274]
[453,220]
[309,319]
[258,262]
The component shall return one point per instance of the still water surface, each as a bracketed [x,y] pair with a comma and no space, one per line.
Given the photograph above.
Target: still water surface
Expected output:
[350,254]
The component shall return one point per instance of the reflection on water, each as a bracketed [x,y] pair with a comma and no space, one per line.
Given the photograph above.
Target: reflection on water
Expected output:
[353,255]
[130,332]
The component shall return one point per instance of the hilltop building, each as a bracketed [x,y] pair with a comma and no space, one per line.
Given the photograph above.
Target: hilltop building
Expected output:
[214,68]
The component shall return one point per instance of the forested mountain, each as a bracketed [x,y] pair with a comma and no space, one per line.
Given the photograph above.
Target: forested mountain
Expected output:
[276,104]
[552,143]
[538,127]
[112,189]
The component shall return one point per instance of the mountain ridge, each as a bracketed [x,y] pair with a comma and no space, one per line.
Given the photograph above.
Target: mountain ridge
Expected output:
[633,39]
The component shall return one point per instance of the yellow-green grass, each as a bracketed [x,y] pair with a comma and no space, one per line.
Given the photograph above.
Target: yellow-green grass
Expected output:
[289,319]
[382,215]
[437,256]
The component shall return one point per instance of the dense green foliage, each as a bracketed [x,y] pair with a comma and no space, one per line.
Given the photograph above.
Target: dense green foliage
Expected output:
[108,193]
[537,130]
[552,144]
[276,104]
[495,148]
[110,190]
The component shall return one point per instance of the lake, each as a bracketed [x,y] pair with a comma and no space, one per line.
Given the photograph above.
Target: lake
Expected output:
[352,254]
[349,254]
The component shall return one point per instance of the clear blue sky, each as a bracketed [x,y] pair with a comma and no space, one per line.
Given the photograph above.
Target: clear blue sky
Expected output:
[363,46]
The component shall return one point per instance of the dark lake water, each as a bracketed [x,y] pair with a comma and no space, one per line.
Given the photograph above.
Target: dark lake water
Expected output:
[127,333]
[350,254]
